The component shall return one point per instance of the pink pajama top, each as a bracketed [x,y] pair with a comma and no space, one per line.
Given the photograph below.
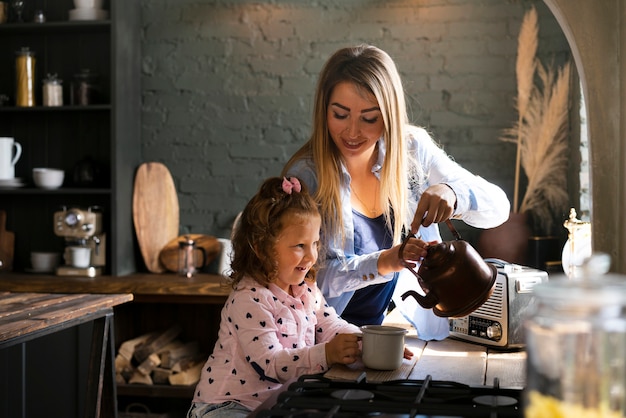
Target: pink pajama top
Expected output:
[267,337]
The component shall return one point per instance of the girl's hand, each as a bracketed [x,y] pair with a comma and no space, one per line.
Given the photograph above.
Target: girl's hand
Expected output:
[408,354]
[343,349]
[436,205]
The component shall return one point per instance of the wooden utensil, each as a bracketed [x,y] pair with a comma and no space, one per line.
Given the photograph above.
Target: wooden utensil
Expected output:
[169,253]
[155,212]
[7,243]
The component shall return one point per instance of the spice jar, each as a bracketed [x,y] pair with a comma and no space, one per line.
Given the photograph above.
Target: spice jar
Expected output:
[25,78]
[52,91]
[576,345]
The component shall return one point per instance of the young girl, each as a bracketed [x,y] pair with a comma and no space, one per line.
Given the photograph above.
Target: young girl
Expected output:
[275,324]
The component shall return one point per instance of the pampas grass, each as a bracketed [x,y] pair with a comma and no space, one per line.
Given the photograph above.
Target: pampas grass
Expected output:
[541,132]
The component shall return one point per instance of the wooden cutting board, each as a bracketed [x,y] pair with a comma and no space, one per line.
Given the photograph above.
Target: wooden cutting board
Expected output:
[155,212]
[169,253]
[7,244]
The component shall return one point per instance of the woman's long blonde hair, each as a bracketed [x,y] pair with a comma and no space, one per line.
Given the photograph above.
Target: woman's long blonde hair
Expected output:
[373,71]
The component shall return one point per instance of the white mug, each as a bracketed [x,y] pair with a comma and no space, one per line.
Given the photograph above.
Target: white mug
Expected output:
[8,158]
[77,256]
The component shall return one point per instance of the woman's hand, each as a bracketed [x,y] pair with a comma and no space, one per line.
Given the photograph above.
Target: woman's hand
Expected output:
[390,261]
[436,205]
[343,349]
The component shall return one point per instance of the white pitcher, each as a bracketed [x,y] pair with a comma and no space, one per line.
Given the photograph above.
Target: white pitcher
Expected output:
[8,157]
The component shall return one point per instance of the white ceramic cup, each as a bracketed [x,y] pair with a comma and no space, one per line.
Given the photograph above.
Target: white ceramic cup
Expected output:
[8,157]
[77,256]
[382,346]
[44,261]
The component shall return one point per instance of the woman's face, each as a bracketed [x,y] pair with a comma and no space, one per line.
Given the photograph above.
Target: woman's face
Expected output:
[354,120]
[296,249]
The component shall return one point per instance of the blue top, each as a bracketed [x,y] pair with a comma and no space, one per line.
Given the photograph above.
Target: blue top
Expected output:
[368,305]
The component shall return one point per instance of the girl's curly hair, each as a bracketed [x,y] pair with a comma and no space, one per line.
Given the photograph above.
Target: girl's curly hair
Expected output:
[260,224]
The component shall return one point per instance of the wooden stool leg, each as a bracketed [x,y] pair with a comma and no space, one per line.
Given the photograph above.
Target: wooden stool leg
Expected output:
[101,399]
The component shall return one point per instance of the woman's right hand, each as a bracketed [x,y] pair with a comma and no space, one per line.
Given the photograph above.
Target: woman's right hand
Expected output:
[389,260]
[343,349]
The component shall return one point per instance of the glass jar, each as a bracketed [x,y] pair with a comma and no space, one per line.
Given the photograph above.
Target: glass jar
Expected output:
[576,348]
[84,88]
[52,91]
[25,78]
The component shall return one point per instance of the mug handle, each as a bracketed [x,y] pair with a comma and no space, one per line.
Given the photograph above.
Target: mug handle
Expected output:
[18,152]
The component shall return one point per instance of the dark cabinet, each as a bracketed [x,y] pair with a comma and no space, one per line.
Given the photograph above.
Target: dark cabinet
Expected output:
[97,144]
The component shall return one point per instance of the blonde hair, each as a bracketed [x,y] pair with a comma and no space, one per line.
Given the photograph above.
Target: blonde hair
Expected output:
[374,72]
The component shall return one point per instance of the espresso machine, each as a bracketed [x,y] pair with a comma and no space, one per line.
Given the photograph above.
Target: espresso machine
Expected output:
[81,228]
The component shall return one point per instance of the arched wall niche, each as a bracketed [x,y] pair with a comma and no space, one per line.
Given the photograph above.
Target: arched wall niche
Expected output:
[593,30]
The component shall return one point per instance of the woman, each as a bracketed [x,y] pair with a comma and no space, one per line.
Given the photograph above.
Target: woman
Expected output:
[376,178]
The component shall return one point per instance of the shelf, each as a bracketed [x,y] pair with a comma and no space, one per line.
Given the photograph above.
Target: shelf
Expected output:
[60,191]
[50,27]
[68,108]
[155,391]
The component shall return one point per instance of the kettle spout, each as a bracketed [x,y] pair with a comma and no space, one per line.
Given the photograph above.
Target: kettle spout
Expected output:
[427,302]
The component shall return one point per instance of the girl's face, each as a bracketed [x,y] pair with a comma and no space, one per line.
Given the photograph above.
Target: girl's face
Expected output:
[296,249]
[354,120]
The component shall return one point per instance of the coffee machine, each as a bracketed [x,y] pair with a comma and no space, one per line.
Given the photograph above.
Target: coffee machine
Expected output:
[81,228]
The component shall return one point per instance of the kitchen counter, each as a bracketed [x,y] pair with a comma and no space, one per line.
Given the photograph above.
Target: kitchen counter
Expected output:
[27,316]
[146,287]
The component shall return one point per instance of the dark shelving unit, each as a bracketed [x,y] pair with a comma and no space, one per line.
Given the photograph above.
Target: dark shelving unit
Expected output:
[107,132]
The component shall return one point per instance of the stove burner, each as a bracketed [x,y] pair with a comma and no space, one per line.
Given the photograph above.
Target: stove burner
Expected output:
[314,396]
[495,400]
[352,395]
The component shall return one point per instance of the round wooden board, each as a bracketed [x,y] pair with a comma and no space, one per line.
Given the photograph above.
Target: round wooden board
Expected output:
[155,212]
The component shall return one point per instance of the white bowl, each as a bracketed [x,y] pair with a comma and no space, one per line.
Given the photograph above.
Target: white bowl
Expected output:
[88,14]
[48,178]
[88,4]
[44,261]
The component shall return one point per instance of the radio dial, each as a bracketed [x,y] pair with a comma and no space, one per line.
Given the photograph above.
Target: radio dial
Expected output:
[494,331]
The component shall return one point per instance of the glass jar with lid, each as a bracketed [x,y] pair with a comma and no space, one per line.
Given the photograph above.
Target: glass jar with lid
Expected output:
[52,91]
[576,345]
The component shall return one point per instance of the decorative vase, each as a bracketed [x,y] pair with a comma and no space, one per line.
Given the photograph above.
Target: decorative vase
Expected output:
[508,242]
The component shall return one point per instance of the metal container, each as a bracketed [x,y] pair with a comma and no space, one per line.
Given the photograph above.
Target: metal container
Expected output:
[25,78]
[576,347]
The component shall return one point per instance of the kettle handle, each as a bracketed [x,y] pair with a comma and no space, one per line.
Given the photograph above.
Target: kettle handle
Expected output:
[457,236]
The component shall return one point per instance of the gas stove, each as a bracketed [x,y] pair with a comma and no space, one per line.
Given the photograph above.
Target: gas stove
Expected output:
[315,396]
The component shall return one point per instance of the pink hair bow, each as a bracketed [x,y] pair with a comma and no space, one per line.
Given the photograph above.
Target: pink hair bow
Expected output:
[291,184]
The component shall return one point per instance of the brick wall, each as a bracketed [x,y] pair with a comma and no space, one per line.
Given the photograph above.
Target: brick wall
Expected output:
[228,85]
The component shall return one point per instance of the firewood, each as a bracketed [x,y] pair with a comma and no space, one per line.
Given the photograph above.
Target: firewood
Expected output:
[127,348]
[160,376]
[141,378]
[149,364]
[143,350]
[187,362]
[187,377]
[174,355]
[123,366]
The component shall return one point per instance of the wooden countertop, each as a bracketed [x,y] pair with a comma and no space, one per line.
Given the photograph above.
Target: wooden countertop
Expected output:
[146,287]
[25,316]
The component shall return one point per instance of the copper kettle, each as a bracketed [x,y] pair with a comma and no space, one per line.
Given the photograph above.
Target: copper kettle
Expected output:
[455,278]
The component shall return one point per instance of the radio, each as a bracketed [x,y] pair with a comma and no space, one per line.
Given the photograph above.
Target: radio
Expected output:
[499,321]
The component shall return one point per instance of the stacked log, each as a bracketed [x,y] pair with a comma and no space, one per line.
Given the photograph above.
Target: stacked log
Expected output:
[159,358]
